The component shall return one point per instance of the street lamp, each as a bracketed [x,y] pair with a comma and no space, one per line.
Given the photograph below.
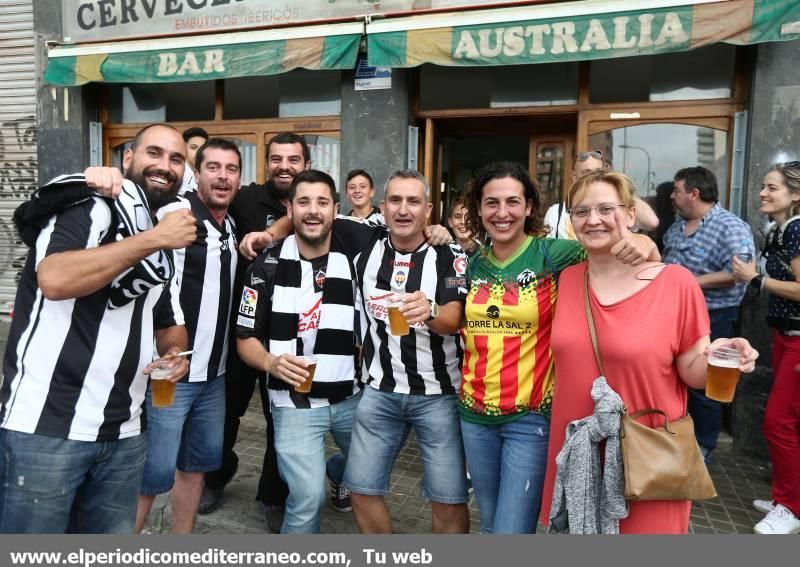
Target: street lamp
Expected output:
[648,184]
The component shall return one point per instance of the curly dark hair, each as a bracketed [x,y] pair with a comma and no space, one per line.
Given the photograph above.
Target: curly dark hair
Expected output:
[534,223]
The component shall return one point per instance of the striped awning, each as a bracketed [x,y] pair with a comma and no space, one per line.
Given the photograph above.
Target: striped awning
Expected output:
[206,57]
[575,31]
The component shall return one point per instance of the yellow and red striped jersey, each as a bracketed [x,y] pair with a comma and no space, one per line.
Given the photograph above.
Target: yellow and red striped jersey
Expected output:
[508,364]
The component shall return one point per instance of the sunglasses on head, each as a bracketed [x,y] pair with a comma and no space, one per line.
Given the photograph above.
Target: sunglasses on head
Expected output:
[596,154]
[792,164]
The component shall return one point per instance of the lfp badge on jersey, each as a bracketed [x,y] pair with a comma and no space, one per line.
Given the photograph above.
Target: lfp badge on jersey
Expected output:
[400,277]
[249,301]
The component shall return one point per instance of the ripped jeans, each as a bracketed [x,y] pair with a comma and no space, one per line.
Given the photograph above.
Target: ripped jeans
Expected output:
[507,464]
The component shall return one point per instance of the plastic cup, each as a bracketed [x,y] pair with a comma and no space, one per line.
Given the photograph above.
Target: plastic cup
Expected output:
[162,389]
[305,387]
[398,325]
[723,373]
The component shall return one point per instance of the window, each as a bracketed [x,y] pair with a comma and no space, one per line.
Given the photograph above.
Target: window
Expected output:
[498,87]
[690,75]
[173,102]
[297,93]
[651,154]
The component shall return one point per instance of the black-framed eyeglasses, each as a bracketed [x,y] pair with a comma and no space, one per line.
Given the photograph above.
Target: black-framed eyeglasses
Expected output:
[596,154]
[604,210]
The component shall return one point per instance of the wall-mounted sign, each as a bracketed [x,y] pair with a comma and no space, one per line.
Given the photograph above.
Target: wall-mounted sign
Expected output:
[372,78]
[102,20]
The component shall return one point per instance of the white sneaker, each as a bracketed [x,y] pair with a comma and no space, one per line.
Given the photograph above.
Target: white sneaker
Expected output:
[764,506]
[779,521]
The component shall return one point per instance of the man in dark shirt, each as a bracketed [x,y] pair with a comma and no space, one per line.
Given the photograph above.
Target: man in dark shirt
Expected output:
[256,208]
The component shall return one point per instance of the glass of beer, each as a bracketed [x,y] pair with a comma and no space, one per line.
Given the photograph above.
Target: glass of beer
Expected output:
[723,373]
[398,326]
[311,368]
[163,390]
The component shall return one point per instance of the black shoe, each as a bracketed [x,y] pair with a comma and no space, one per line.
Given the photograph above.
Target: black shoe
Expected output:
[340,498]
[273,514]
[210,500]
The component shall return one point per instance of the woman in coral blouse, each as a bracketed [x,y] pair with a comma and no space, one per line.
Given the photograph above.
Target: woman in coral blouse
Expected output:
[653,329]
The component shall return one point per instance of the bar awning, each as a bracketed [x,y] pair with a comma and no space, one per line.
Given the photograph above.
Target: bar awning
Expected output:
[207,57]
[575,31]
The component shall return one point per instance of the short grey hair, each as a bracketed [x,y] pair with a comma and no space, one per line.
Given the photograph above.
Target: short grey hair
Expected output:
[409,174]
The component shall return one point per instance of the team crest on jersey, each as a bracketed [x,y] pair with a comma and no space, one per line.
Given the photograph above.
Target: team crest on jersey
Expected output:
[460,265]
[493,312]
[249,301]
[319,278]
[526,278]
[399,277]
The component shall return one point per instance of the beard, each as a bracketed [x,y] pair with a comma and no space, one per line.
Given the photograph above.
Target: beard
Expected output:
[157,196]
[313,240]
[280,191]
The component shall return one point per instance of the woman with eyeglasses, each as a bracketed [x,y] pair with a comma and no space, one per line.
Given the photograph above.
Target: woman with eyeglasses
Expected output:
[652,328]
[507,386]
[780,199]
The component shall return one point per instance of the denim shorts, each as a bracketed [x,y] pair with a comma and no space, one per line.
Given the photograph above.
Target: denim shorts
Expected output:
[382,424]
[186,435]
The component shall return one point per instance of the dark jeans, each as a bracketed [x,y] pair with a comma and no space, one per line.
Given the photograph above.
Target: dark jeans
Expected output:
[239,385]
[50,485]
[707,414]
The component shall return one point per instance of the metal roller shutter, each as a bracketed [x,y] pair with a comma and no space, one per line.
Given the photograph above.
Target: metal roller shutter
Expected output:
[18,162]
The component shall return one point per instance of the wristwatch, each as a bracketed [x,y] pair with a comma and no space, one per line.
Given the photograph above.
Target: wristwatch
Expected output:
[757,282]
[434,311]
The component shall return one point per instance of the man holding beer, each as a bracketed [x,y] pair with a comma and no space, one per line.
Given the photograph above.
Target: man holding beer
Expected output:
[412,297]
[704,239]
[297,322]
[185,435]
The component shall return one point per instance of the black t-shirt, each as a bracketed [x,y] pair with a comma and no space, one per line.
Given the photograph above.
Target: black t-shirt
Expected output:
[255,208]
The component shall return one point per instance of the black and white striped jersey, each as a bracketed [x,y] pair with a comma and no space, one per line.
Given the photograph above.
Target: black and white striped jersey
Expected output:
[202,290]
[422,362]
[73,368]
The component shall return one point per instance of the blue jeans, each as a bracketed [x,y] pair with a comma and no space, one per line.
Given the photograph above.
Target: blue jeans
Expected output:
[707,414]
[383,422]
[54,485]
[300,444]
[507,464]
[186,435]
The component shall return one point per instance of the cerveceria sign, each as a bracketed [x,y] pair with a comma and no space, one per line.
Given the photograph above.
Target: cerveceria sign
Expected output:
[98,20]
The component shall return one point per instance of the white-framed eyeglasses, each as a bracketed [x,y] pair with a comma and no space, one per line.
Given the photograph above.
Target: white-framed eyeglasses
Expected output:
[604,210]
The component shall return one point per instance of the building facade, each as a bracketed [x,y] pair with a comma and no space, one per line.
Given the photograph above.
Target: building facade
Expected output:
[443,86]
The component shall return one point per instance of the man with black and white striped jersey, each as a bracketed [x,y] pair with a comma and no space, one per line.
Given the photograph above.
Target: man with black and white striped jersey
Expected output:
[299,301]
[185,438]
[412,381]
[71,449]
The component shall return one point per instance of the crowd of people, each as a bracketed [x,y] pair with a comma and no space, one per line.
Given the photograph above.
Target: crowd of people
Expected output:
[367,326]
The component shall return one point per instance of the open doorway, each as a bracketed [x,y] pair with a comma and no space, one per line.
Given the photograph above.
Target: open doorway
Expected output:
[456,148]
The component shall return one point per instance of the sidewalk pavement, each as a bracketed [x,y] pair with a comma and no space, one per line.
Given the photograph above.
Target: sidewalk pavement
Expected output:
[738,480]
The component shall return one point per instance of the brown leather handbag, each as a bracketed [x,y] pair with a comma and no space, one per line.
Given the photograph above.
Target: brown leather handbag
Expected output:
[662,463]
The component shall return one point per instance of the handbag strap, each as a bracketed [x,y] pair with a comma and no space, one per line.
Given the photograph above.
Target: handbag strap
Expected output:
[590,321]
[637,414]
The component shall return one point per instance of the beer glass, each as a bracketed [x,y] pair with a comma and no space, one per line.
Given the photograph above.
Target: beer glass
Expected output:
[723,373]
